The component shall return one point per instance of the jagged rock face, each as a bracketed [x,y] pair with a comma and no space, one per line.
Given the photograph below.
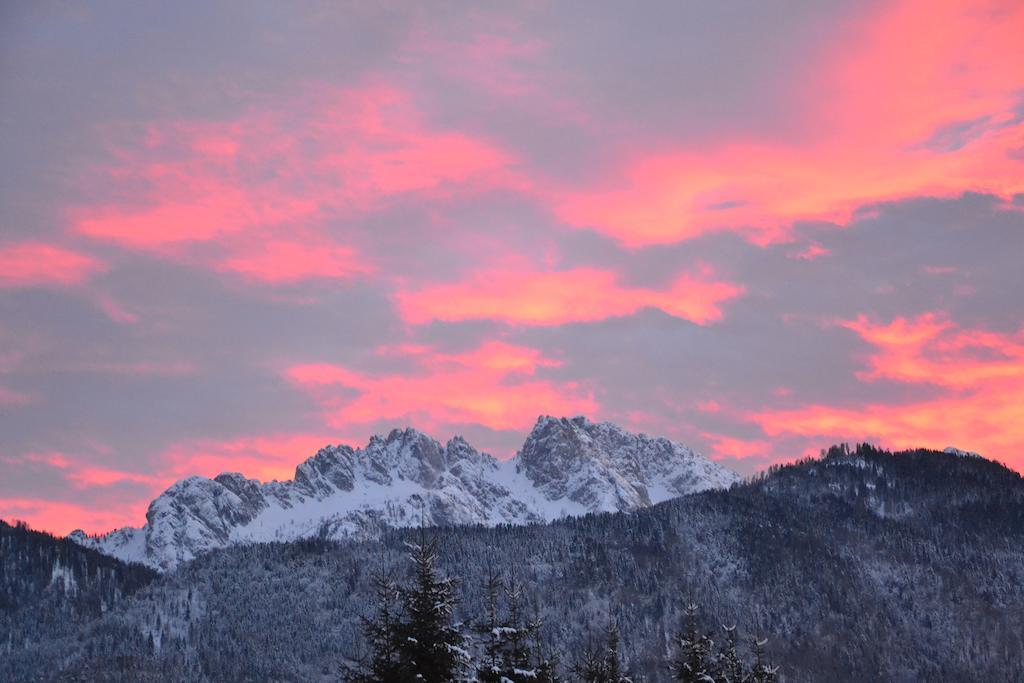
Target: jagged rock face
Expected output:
[406,478]
[331,468]
[602,466]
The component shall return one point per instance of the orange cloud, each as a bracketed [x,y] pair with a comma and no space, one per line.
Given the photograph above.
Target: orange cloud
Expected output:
[979,373]
[61,518]
[33,263]
[554,298]
[494,385]
[917,98]
[264,456]
[723,446]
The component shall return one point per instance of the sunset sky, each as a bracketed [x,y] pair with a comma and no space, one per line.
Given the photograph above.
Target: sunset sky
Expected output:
[233,233]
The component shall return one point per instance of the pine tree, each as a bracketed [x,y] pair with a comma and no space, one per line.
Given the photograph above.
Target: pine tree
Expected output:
[490,668]
[430,647]
[611,652]
[380,631]
[545,667]
[728,667]
[590,667]
[517,634]
[505,634]
[612,665]
[763,672]
[692,663]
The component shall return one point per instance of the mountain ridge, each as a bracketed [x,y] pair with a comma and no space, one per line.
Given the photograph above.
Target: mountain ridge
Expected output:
[862,564]
[567,466]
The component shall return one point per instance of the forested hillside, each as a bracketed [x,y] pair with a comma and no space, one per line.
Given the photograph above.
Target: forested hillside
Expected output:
[50,587]
[860,565]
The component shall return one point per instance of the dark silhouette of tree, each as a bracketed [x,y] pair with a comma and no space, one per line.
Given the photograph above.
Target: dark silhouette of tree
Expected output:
[729,667]
[692,663]
[431,648]
[381,634]
[762,672]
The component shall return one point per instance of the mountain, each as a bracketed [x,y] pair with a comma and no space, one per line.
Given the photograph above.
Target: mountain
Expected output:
[49,587]
[861,565]
[565,467]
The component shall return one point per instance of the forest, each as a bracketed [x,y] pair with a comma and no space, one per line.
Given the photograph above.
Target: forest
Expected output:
[412,636]
[860,564]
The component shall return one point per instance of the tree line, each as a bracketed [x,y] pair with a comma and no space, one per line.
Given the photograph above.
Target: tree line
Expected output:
[412,636]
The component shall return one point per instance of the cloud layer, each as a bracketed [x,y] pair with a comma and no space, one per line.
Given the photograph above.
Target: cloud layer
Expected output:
[752,233]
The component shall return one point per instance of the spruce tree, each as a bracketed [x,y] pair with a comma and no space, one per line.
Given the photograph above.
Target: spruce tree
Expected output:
[517,634]
[431,648]
[489,628]
[380,631]
[763,672]
[611,652]
[506,635]
[590,667]
[728,667]
[545,667]
[692,662]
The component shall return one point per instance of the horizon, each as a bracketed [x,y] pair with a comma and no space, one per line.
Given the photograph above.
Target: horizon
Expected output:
[233,233]
[387,433]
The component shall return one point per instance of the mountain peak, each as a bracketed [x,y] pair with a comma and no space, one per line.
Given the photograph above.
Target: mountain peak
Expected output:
[565,466]
[602,466]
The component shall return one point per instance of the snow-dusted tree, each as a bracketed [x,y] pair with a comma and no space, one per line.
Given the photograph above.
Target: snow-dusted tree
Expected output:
[612,661]
[517,634]
[431,648]
[380,632]
[763,672]
[692,663]
[506,635]
[602,665]
[590,666]
[489,669]
[728,667]
[546,667]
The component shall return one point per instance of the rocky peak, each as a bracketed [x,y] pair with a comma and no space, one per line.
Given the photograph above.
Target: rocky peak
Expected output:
[566,466]
[332,468]
[602,466]
[247,490]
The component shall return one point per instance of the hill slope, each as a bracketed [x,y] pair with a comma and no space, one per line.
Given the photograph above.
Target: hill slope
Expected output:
[50,587]
[863,565]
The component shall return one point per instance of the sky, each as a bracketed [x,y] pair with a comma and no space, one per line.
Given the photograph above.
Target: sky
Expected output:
[231,233]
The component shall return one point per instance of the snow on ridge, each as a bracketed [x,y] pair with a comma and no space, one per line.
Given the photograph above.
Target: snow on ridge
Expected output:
[951,450]
[565,467]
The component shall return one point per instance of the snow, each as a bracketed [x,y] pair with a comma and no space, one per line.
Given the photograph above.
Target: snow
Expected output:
[951,450]
[64,577]
[567,467]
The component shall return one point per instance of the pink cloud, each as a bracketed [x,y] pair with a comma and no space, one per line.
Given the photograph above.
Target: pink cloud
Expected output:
[558,297]
[30,264]
[62,517]
[283,261]
[723,446]
[259,456]
[9,397]
[980,375]
[866,113]
[263,187]
[495,385]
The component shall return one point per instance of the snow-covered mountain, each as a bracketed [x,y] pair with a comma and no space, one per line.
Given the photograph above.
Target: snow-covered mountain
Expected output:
[565,467]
